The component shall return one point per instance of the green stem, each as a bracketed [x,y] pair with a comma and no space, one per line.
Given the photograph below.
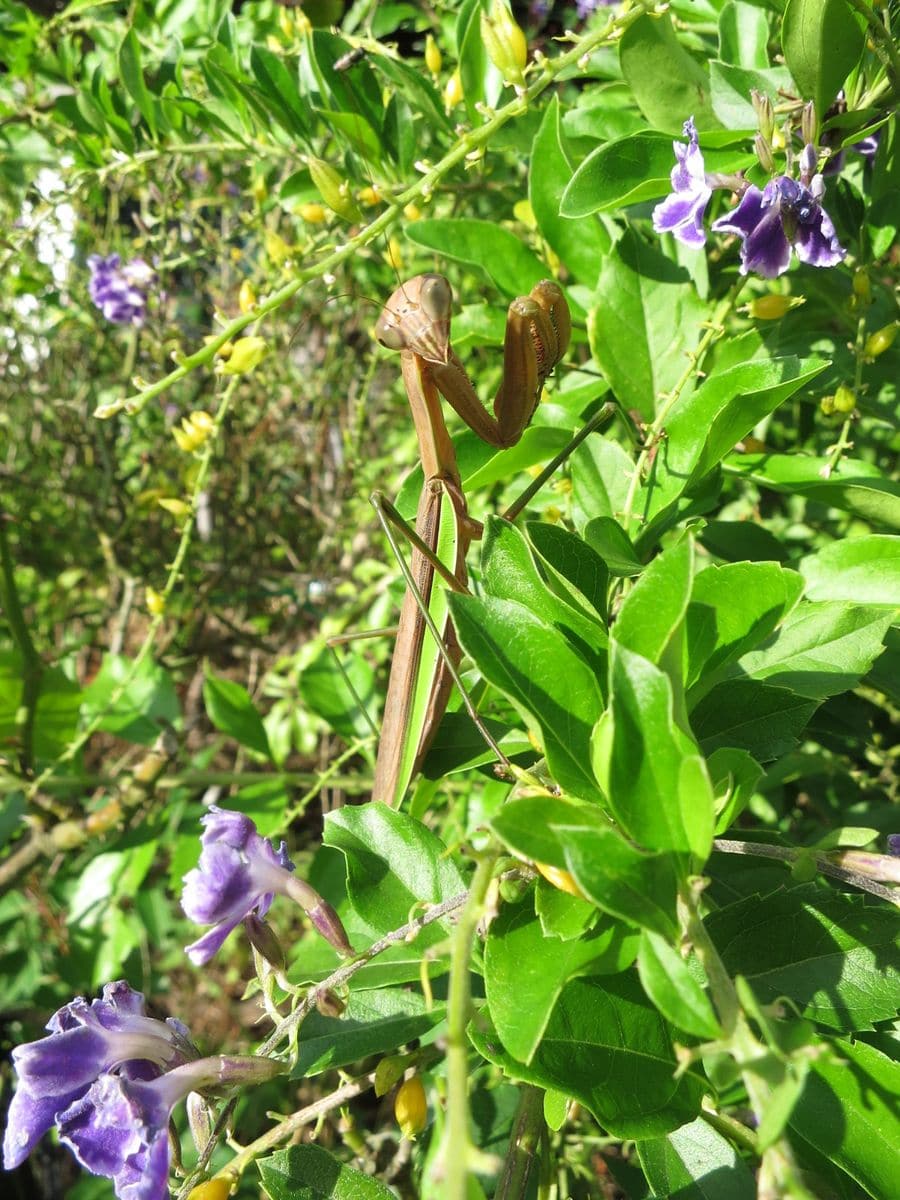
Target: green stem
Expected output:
[885,46]
[32,666]
[457,1151]
[422,189]
[734,1130]
[528,1129]
[714,331]
[844,442]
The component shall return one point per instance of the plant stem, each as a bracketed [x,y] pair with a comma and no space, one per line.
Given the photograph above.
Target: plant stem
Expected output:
[714,331]
[885,46]
[843,442]
[455,1156]
[823,862]
[527,1132]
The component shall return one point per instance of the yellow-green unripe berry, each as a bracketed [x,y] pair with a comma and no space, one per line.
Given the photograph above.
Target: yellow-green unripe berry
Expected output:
[844,400]
[769,308]
[881,340]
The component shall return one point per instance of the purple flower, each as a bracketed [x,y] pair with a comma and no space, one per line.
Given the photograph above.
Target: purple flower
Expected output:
[238,875]
[584,8]
[119,1127]
[894,843]
[85,1041]
[120,292]
[681,213]
[786,214]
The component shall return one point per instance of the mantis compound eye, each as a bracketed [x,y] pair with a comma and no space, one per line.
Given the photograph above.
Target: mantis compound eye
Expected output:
[389,335]
[435,297]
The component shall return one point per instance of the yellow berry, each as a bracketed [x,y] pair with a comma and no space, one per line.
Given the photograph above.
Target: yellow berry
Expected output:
[247,353]
[313,214]
[211,1189]
[560,879]
[369,196]
[411,1107]
[246,297]
[453,91]
[156,602]
[881,340]
[394,255]
[433,58]
[770,307]
[412,212]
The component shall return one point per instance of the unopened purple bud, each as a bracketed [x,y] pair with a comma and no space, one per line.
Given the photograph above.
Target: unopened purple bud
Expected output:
[322,915]
[328,1003]
[808,162]
[263,940]
[894,844]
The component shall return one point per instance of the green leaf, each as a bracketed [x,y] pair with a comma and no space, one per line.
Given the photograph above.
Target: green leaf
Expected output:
[309,1172]
[481,81]
[822,42]
[637,887]
[668,84]
[833,956]
[580,244]
[324,689]
[148,705]
[600,472]
[374,1022]
[862,570]
[765,721]
[612,543]
[671,985]
[650,620]
[857,487]
[696,1162]
[572,564]
[731,87]
[231,710]
[848,1111]
[734,774]
[703,427]
[607,1047]
[281,91]
[393,864]
[526,825]
[821,649]
[509,573]
[132,75]
[646,315]
[357,131]
[739,541]
[548,682]
[733,608]
[506,261]
[525,972]
[743,34]
[653,776]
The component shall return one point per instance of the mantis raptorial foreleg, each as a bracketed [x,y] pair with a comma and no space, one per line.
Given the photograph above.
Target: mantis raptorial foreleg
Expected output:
[416,322]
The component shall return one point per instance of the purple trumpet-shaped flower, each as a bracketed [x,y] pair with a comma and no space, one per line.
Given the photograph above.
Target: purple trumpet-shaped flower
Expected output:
[238,875]
[120,292]
[85,1041]
[119,1127]
[681,213]
[584,8]
[786,214]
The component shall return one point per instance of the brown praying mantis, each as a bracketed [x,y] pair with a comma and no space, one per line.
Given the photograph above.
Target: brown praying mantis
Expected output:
[416,322]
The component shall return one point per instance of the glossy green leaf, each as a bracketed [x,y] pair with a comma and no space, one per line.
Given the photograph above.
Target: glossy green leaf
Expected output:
[148,705]
[600,472]
[619,173]
[834,956]
[606,1046]
[525,972]
[548,682]
[572,564]
[646,315]
[743,34]
[506,261]
[394,863]
[481,81]
[704,427]
[562,915]
[695,1162]
[740,541]
[280,90]
[731,86]
[750,715]
[132,73]
[862,570]
[374,1022]
[309,1172]
[324,689]
[848,1111]
[612,543]
[651,618]
[732,609]
[651,771]
[580,244]
[669,85]
[509,573]
[857,487]
[525,824]
[628,883]
[821,649]
[823,40]
[229,707]
[734,774]
[671,985]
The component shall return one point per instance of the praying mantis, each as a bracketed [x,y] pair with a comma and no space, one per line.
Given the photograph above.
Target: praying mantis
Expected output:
[416,322]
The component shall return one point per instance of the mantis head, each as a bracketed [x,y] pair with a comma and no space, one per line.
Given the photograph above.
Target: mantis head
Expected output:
[416,319]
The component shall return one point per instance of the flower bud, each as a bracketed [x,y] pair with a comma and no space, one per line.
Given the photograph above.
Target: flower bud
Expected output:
[881,340]
[560,879]
[333,189]
[862,287]
[156,601]
[505,43]
[246,297]
[262,938]
[764,153]
[844,400]
[770,307]
[808,124]
[765,117]
[276,247]
[388,1072]
[411,1108]
[248,352]
[329,1003]
[453,91]
[433,57]
[193,432]
[200,1123]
